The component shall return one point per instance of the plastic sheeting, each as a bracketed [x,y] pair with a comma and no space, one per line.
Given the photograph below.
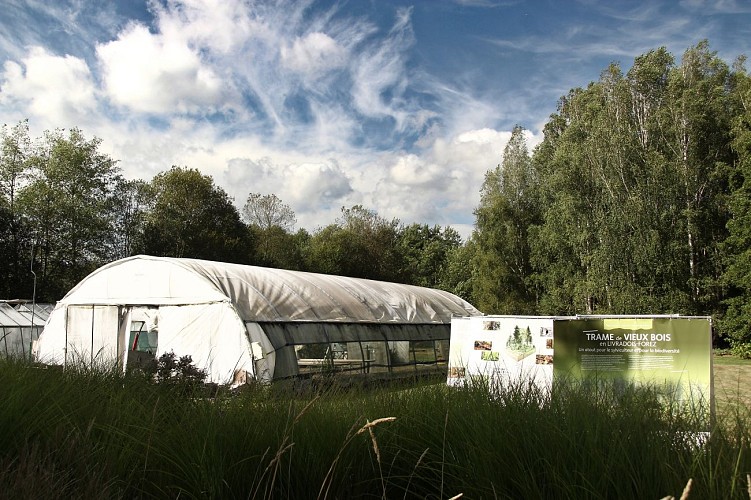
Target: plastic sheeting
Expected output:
[208,310]
[265,294]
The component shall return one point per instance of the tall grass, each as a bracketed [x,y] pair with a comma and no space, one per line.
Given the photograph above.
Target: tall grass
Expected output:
[87,434]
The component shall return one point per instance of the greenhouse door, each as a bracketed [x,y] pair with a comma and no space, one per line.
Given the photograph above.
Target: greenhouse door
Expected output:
[140,326]
[92,335]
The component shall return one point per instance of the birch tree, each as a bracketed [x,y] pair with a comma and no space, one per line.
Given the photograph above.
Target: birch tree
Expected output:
[508,207]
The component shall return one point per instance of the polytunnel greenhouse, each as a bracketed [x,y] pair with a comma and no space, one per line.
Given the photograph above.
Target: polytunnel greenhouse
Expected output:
[242,322]
[20,326]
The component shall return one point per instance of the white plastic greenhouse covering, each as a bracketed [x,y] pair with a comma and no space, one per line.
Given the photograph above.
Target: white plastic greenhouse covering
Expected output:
[238,321]
[20,328]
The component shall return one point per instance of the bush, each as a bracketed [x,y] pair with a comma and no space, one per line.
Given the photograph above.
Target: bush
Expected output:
[178,372]
[742,350]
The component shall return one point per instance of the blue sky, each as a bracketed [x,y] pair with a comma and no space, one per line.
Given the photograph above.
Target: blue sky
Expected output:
[398,106]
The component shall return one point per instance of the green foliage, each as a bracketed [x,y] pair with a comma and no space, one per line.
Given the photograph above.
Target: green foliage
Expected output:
[133,201]
[69,207]
[271,222]
[742,350]
[736,324]
[509,205]
[636,200]
[82,434]
[623,206]
[361,244]
[457,275]
[14,156]
[192,217]
[425,252]
[13,274]
[179,373]
[278,248]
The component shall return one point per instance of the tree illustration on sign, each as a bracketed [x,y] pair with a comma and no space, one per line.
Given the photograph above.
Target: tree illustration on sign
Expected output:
[519,344]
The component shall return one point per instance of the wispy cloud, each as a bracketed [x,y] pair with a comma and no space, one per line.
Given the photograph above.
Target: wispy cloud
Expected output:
[488,3]
[326,104]
[718,6]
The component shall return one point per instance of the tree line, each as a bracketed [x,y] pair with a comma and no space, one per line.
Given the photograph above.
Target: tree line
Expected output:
[66,210]
[637,201]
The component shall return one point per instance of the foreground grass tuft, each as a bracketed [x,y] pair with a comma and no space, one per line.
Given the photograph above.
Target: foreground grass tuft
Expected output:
[87,434]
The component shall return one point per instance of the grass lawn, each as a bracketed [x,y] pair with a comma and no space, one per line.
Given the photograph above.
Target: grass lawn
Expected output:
[732,383]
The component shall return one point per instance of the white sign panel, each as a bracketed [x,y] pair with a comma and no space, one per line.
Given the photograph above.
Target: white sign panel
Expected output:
[501,350]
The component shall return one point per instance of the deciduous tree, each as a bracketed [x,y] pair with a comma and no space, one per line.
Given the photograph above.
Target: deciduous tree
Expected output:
[69,205]
[361,244]
[271,222]
[736,325]
[508,207]
[15,252]
[192,217]
[425,252]
[268,211]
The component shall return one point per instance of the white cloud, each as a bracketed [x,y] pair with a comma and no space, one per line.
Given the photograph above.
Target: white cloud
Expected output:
[309,188]
[154,73]
[411,170]
[219,25]
[58,91]
[314,185]
[438,185]
[312,55]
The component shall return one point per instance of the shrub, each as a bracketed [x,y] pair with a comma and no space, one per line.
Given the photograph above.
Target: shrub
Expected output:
[742,350]
[178,372]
